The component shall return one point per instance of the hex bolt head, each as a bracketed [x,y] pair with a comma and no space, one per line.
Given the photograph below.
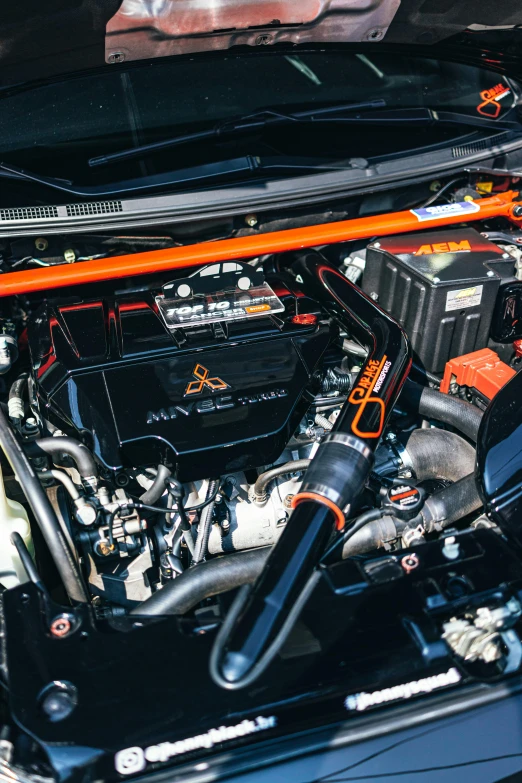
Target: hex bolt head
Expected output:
[251,220]
[86,514]
[287,502]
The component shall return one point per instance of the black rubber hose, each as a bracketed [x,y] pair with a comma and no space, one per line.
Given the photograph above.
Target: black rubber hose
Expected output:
[205,524]
[372,535]
[264,479]
[27,561]
[451,504]
[210,578]
[79,453]
[433,404]
[438,454]
[43,513]
[15,403]
[156,490]
[17,387]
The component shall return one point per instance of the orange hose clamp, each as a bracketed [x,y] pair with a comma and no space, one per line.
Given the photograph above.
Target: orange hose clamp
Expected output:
[482,370]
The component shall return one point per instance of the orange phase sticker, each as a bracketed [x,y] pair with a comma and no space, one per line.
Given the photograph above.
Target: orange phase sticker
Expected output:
[443,247]
[261,308]
[490,106]
[364,394]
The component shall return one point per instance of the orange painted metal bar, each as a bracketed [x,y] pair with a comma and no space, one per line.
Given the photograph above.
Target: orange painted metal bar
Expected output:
[154,261]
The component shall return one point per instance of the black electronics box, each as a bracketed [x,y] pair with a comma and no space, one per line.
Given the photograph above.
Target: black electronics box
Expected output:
[441,286]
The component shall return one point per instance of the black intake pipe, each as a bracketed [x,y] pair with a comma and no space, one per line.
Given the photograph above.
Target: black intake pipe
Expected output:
[261,617]
[213,577]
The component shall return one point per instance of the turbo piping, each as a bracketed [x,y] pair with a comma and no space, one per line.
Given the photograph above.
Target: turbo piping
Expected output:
[261,617]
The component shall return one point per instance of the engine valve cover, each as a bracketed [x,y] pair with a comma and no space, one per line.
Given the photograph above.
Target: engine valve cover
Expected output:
[208,399]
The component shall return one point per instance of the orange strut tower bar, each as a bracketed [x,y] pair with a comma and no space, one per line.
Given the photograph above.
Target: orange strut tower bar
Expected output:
[154,261]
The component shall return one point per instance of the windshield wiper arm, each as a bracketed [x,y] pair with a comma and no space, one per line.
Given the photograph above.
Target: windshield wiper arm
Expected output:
[205,174]
[425,115]
[233,127]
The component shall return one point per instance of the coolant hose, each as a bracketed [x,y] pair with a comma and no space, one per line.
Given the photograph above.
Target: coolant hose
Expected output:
[157,488]
[451,504]
[15,403]
[434,404]
[43,513]
[53,447]
[436,454]
[264,479]
[373,534]
[261,617]
[213,577]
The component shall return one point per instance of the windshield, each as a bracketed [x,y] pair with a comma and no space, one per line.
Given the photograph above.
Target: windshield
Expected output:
[54,129]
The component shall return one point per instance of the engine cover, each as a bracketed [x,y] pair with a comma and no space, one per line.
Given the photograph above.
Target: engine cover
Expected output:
[208,399]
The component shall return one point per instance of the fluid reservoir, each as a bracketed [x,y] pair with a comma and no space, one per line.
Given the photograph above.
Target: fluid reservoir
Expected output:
[13,518]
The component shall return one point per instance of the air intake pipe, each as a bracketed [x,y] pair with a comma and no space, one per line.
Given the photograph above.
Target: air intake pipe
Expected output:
[262,615]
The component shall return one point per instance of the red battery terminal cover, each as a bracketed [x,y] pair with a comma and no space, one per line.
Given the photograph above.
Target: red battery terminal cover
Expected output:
[480,370]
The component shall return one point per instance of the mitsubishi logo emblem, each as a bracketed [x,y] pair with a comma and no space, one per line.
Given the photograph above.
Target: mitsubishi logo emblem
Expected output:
[203,380]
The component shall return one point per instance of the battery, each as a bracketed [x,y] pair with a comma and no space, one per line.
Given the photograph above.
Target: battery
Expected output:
[441,286]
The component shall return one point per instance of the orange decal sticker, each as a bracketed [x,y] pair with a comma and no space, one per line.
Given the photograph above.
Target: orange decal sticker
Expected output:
[490,106]
[257,308]
[371,380]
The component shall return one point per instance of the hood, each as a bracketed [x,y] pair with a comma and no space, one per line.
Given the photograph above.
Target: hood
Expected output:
[76,35]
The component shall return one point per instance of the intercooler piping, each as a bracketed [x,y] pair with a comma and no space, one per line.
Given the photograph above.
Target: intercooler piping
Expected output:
[261,616]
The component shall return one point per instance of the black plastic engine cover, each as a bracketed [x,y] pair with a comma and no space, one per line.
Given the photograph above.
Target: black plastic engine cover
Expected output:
[208,400]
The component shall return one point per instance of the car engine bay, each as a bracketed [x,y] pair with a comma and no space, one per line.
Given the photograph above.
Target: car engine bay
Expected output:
[331,429]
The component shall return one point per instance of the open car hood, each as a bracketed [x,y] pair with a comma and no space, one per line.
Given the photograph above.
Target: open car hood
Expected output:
[75,35]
